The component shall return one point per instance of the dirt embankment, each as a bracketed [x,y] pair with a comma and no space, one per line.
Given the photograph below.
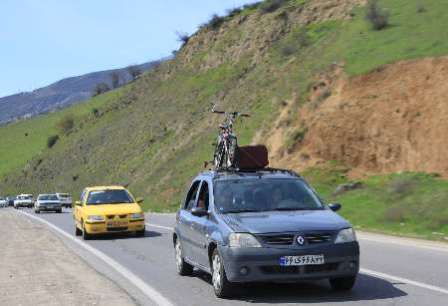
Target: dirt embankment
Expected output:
[390,120]
[36,268]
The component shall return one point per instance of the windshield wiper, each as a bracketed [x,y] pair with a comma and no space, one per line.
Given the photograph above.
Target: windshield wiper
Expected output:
[294,208]
[236,211]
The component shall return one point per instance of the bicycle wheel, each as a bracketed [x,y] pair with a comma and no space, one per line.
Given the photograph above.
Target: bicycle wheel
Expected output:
[219,155]
[231,152]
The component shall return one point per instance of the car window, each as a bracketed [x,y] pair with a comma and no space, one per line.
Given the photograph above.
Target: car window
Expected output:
[268,194]
[111,196]
[191,196]
[203,199]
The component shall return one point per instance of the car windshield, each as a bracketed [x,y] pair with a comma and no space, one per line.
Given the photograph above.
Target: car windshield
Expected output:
[48,197]
[109,197]
[264,194]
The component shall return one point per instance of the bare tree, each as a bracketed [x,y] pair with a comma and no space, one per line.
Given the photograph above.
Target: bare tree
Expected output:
[115,79]
[100,88]
[134,71]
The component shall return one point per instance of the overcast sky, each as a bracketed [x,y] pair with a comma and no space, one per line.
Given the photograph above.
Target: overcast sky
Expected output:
[42,41]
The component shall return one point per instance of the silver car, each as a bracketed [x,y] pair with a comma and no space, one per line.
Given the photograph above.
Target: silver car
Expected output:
[47,202]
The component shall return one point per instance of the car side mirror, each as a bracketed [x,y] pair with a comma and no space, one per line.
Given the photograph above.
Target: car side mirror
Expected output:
[78,203]
[335,206]
[140,200]
[199,212]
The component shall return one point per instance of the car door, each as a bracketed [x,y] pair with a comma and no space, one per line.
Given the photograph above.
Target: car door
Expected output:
[185,218]
[199,227]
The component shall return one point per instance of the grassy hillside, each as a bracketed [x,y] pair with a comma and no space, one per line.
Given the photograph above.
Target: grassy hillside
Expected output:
[155,133]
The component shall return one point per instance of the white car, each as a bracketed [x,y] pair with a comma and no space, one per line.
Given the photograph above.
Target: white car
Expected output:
[3,202]
[24,200]
[65,199]
[47,202]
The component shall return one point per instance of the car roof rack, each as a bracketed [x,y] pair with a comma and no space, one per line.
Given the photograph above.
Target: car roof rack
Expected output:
[258,170]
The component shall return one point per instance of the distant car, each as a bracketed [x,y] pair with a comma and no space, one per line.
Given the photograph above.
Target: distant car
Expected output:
[262,226]
[47,202]
[65,199]
[3,202]
[24,200]
[108,209]
[10,201]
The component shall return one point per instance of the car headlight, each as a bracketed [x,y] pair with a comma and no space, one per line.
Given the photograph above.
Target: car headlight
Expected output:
[137,216]
[346,235]
[95,218]
[243,240]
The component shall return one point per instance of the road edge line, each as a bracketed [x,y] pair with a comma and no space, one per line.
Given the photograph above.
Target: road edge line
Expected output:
[403,280]
[149,291]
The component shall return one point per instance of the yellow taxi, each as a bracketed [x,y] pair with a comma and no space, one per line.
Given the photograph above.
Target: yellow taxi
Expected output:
[108,209]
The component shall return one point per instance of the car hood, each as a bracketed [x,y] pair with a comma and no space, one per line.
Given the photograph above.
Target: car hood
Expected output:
[113,209]
[281,221]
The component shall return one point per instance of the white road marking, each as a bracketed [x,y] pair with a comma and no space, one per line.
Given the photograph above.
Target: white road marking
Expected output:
[365,271]
[160,226]
[149,291]
[403,280]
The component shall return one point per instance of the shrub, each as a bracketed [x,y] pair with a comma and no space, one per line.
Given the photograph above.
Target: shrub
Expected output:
[100,88]
[134,71]
[421,8]
[183,37]
[378,17]
[95,112]
[66,124]
[270,6]
[51,141]
[215,22]
[401,186]
[395,214]
[233,12]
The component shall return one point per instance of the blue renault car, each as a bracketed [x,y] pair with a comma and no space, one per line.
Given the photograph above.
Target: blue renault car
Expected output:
[267,225]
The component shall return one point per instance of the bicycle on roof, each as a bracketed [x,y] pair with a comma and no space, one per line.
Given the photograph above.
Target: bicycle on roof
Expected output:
[227,142]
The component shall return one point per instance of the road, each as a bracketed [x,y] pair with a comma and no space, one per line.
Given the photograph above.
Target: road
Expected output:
[394,271]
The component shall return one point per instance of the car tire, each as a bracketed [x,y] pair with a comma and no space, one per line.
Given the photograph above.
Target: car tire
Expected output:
[140,233]
[343,283]
[183,268]
[85,235]
[37,211]
[59,211]
[78,232]
[221,285]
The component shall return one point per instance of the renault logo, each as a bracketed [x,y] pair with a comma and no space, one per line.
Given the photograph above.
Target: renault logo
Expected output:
[300,240]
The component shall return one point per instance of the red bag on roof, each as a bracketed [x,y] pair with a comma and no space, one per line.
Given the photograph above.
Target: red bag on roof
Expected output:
[252,157]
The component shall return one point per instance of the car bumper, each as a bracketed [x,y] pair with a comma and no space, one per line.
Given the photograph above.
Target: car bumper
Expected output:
[263,264]
[49,208]
[102,228]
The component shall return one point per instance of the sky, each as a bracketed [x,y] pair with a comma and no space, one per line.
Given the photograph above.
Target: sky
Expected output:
[43,41]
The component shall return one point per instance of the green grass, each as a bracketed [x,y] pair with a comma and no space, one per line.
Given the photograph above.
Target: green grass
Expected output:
[24,140]
[409,204]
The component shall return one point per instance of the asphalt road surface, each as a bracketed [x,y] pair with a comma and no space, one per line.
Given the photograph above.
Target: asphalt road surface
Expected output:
[394,271]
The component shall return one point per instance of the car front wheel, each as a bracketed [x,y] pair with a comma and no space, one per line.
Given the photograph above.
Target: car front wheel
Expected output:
[85,235]
[183,268]
[343,283]
[222,287]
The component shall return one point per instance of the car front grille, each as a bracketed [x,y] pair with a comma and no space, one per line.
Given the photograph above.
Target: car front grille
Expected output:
[289,239]
[311,269]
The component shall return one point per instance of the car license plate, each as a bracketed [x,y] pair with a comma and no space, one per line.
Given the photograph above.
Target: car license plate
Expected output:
[117,224]
[302,260]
